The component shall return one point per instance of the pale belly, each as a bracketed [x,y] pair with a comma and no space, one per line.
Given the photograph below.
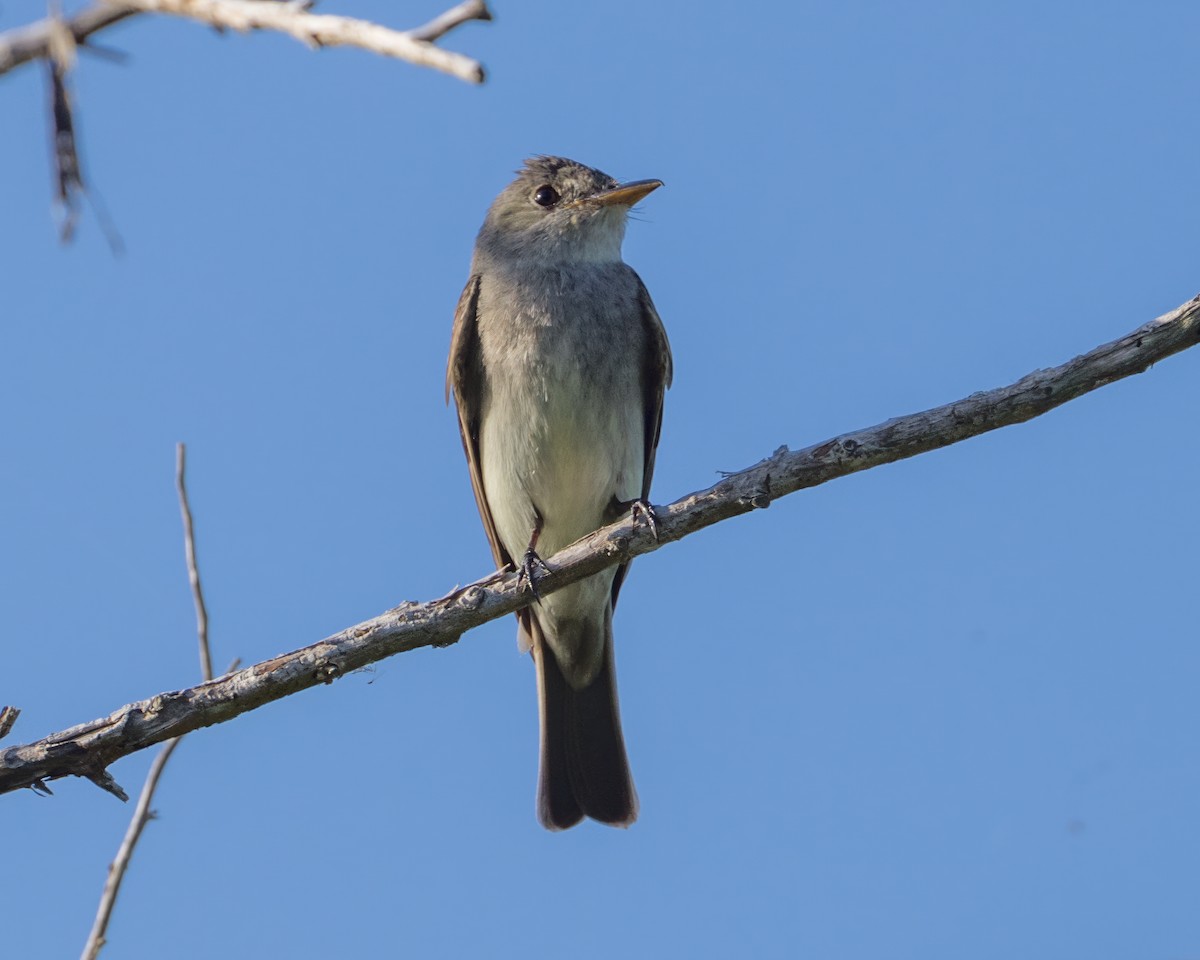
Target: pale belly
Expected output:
[563,451]
[548,455]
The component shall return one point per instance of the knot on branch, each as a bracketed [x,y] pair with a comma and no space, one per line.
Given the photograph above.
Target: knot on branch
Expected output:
[472,598]
[759,497]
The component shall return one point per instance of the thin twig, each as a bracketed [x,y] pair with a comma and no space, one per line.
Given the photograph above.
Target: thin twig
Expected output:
[8,716]
[70,186]
[440,25]
[189,547]
[94,745]
[116,870]
[142,812]
[68,177]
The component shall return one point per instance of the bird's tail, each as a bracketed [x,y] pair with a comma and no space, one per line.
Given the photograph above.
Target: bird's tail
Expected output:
[584,771]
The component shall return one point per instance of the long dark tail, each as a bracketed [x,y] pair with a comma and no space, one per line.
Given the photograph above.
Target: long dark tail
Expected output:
[584,770]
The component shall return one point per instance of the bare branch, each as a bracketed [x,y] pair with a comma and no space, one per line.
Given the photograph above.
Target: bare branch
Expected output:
[90,747]
[55,40]
[189,549]
[315,30]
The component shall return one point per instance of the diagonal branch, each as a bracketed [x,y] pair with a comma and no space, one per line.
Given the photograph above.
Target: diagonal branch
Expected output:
[316,30]
[87,749]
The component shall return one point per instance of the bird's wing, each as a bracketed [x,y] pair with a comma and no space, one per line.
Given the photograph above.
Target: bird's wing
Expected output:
[464,379]
[656,377]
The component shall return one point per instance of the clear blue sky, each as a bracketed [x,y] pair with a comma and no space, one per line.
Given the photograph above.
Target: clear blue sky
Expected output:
[943,709]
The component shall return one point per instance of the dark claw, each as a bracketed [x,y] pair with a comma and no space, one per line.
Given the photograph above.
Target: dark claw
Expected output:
[646,510]
[528,572]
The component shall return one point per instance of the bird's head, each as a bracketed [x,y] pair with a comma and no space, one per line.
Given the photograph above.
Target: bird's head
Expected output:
[558,211]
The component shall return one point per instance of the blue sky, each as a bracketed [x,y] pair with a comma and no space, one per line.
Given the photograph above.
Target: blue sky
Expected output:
[942,709]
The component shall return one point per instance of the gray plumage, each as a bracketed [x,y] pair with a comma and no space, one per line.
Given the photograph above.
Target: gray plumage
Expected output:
[558,364]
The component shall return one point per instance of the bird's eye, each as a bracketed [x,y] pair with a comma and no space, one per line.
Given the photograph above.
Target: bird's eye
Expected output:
[545,196]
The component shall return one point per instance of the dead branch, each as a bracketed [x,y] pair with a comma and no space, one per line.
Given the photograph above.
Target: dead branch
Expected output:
[87,749]
[417,46]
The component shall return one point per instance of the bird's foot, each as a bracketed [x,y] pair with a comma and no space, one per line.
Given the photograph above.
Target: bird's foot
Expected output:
[529,570]
[645,510]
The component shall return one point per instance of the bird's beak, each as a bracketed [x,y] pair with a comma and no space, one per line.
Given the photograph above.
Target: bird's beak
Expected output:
[627,194]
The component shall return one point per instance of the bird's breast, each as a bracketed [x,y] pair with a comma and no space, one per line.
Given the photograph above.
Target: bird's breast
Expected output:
[562,406]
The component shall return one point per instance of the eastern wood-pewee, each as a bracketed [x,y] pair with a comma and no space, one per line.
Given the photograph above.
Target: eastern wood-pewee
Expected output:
[558,364]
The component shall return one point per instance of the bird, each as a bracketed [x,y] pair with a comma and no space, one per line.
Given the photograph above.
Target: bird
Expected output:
[558,367]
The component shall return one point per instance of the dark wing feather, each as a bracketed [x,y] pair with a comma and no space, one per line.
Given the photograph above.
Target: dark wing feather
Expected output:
[656,378]
[657,371]
[464,380]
